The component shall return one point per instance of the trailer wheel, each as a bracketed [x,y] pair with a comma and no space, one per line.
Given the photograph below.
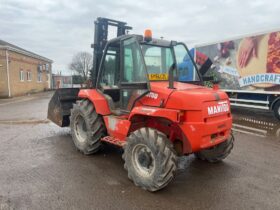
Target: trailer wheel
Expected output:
[149,159]
[87,127]
[217,153]
[276,110]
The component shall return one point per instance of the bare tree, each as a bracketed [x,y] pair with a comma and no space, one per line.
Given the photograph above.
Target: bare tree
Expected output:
[82,64]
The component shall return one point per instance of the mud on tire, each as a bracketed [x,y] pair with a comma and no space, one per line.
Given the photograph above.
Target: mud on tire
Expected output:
[149,159]
[87,127]
[217,153]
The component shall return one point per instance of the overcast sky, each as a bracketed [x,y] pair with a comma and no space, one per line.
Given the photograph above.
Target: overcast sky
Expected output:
[57,29]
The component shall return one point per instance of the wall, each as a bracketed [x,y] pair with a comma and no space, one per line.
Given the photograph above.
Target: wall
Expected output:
[3,75]
[19,62]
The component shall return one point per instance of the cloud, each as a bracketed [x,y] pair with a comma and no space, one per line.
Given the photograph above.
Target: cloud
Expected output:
[57,29]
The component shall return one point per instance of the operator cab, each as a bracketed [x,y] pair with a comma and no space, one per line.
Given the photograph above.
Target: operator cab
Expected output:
[131,62]
[122,76]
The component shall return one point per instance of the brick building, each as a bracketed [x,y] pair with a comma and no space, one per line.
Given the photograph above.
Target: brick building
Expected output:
[22,71]
[61,81]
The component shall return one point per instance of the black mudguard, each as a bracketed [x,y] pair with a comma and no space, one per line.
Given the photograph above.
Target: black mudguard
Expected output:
[61,104]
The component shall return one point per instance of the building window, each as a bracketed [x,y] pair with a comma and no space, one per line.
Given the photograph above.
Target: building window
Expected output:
[28,76]
[39,75]
[21,75]
[47,67]
[40,67]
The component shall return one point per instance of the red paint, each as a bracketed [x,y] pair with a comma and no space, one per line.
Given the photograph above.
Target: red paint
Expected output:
[99,101]
[170,114]
[216,87]
[117,127]
[199,133]
[181,113]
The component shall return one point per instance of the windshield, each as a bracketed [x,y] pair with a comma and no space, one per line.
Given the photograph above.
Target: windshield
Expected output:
[158,60]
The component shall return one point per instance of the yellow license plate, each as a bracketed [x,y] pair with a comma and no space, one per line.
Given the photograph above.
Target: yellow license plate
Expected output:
[158,76]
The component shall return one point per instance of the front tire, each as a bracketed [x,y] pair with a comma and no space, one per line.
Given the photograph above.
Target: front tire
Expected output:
[217,153]
[87,127]
[149,159]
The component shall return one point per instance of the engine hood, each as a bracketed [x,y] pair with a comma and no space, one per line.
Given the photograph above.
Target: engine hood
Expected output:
[183,97]
[177,86]
[193,98]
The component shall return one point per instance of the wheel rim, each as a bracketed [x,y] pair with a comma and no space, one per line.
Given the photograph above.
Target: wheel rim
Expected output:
[80,129]
[143,160]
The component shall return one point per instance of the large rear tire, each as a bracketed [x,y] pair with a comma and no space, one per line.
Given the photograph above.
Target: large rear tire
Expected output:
[217,153]
[276,110]
[87,127]
[149,159]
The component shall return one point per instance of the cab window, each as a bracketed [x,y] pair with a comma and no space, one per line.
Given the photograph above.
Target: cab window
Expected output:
[185,66]
[158,61]
[134,67]
[134,82]
[111,71]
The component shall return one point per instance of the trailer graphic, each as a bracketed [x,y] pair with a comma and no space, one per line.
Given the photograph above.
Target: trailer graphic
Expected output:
[247,68]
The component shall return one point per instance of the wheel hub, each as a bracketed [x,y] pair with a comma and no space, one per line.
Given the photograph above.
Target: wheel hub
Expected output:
[143,160]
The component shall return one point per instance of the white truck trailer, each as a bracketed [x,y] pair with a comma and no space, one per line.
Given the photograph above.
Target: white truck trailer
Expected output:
[247,68]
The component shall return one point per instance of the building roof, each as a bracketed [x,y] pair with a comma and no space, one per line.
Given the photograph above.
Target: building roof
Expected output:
[11,47]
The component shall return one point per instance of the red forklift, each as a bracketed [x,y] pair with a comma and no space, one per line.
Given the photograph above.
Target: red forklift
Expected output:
[147,97]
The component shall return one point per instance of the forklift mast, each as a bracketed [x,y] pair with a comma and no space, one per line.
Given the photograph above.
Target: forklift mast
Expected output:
[101,26]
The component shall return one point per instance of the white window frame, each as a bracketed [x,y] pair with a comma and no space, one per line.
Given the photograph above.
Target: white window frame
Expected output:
[28,76]
[21,75]
[47,67]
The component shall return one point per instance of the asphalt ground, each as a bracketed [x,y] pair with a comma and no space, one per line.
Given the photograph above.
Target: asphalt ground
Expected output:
[41,169]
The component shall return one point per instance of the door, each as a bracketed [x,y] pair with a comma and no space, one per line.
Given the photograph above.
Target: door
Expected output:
[134,82]
[109,75]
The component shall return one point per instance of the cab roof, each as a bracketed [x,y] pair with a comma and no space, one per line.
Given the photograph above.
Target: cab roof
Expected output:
[140,38]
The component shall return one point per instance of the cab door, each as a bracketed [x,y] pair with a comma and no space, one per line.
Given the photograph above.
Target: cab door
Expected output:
[134,82]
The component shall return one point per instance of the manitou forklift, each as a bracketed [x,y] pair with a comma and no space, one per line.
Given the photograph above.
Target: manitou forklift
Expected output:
[148,98]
